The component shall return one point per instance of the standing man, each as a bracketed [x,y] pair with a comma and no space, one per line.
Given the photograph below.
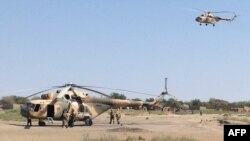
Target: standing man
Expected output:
[65,119]
[71,118]
[29,123]
[118,116]
[112,116]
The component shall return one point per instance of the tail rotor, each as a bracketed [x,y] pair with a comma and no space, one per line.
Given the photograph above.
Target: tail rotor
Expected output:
[166,90]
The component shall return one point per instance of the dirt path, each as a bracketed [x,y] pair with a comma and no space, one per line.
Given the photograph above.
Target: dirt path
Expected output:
[203,128]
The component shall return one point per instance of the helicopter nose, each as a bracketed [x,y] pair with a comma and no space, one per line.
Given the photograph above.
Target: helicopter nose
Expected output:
[197,19]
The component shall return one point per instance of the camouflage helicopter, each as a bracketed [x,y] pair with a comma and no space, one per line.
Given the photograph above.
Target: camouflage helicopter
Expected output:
[68,98]
[209,18]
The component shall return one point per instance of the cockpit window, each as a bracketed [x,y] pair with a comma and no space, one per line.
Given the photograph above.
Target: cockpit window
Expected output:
[37,107]
[31,106]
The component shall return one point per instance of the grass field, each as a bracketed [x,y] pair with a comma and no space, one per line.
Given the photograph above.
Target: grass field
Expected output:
[11,115]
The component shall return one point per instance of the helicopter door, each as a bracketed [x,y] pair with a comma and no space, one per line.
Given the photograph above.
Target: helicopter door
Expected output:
[50,111]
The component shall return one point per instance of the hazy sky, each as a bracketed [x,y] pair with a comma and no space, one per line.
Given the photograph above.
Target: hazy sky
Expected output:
[128,44]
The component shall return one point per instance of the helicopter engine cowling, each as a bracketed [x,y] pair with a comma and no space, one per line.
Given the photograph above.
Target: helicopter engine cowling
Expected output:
[48,96]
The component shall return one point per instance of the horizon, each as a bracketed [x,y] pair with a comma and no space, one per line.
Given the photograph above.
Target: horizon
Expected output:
[130,45]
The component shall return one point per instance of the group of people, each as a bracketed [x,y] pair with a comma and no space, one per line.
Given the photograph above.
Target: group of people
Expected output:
[116,115]
[68,119]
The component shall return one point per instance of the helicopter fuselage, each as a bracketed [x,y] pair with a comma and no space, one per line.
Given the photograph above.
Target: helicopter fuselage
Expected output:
[207,19]
[81,104]
[41,109]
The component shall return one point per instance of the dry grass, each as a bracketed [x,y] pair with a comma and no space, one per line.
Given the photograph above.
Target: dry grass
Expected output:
[139,138]
[11,115]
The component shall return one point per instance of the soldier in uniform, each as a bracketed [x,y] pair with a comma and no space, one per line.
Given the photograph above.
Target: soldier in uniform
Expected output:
[112,116]
[65,119]
[71,118]
[118,116]
[29,121]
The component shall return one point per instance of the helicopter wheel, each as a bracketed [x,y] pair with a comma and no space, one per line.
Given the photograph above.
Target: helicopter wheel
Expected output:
[200,24]
[88,122]
[213,24]
[206,24]
[41,123]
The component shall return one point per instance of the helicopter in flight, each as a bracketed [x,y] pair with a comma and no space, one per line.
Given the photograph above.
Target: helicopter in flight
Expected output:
[70,98]
[210,18]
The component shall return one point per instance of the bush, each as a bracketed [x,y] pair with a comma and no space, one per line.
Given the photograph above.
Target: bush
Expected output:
[11,115]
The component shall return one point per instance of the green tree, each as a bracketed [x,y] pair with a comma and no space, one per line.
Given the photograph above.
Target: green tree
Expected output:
[218,103]
[15,99]
[195,103]
[35,98]
[118,96]
[171,102]
[150,99]
[241,104]
[137,99]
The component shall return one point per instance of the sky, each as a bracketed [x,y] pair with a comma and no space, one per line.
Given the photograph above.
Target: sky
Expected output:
[128,44]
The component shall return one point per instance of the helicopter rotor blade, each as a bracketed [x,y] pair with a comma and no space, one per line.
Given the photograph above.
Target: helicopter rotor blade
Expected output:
[131,91]
[54,87]
[221,12]
[88,89]
[63,91]
[66,85]
[136,92]
[39,92]
[71,85]
[195,10]
[207,11]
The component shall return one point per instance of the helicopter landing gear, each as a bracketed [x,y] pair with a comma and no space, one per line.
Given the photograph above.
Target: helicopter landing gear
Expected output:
[213,24]
[206,24]
[200,24]
[41,123]
[88,122]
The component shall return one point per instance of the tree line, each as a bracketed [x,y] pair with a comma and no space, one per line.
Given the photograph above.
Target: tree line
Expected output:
[212,103]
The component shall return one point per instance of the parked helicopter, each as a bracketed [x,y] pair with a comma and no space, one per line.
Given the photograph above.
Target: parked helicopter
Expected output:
[209,18]
[68,98]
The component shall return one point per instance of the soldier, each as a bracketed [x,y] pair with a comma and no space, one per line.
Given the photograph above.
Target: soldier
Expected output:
[118,116]
[71,118]
[29,121]
[111,117]
[65,119]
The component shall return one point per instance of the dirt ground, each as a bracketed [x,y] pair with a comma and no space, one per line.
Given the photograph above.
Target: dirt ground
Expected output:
[202,128]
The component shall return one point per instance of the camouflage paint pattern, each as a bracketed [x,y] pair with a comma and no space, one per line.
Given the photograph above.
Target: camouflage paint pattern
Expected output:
[72,100]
